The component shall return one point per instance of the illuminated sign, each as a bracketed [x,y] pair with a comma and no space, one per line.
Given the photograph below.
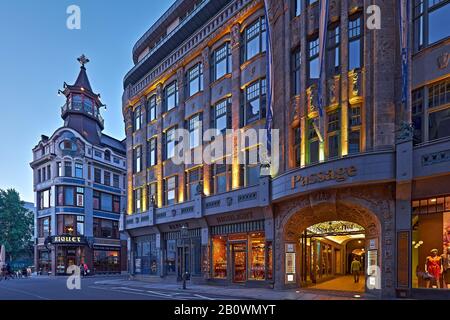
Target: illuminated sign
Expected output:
[338,175]
[68,240]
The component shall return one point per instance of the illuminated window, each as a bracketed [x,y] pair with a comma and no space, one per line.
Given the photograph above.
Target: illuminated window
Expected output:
[257,257]
[195,130]
[219,257]
[354,135]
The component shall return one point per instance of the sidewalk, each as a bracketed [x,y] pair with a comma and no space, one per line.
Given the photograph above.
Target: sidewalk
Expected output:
[242,293]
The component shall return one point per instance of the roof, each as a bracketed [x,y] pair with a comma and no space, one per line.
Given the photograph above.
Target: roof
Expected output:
[113,143]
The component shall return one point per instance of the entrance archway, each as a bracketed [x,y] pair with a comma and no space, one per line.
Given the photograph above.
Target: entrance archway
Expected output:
[374,216]
[329,253]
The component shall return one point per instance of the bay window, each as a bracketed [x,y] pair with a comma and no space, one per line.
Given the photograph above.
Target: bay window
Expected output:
[44,227]
[67,168]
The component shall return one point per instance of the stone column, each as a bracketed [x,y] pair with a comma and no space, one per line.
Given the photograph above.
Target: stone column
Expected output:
[206,114]
[159,145]
[128,115]
[344,77]
[236,101]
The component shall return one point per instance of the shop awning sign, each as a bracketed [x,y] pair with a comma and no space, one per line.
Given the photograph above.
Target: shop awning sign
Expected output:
[66,240]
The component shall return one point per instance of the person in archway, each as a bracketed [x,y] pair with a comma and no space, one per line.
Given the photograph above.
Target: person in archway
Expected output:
[355,269]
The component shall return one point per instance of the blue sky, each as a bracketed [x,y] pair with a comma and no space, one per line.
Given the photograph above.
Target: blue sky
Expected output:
[38,53]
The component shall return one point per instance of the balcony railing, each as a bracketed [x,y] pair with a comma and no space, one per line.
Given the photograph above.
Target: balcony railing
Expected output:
[78,107]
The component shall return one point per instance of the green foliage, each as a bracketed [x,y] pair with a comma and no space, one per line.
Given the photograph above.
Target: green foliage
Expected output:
[16,224]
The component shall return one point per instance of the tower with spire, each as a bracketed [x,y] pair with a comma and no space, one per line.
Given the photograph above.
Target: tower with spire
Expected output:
[81,111]
[79,183]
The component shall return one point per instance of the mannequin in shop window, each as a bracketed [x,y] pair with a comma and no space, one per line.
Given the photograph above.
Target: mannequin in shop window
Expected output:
[446,268]
[433,267]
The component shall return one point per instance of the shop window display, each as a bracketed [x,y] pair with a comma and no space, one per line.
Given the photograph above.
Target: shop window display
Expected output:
[219,257]
[431,248]
[257,257]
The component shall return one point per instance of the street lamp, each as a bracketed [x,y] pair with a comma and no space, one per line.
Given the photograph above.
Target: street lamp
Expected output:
[184,235]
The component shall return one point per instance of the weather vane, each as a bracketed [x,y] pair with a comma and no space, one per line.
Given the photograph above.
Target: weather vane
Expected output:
[83,60]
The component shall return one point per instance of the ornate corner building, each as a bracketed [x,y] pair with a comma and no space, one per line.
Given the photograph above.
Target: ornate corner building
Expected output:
[79,184]
[373,189]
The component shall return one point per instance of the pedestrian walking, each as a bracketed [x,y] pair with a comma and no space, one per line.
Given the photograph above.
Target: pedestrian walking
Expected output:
[355,269]
[86,269]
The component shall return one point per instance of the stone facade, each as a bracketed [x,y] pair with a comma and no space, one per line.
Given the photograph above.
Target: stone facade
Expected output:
[373,135]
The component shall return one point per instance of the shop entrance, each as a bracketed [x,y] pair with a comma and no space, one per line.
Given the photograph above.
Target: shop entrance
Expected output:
[69,256]
[239,252]
[333,256]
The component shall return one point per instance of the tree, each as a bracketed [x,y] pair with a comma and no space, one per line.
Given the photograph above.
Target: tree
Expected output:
[16,224]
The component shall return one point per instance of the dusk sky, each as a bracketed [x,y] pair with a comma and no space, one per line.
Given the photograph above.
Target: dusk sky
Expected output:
[38,53]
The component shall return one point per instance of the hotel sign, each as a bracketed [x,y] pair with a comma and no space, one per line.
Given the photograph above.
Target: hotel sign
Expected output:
[338,175]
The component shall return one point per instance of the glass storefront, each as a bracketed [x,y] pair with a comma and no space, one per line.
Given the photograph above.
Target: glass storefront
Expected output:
[431,243]
[146,255]
[183,254]
[44,262]
[68,256]
[241,257]
[106,261]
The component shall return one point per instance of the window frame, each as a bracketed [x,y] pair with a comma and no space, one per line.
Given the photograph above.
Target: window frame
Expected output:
[171,86]
[261,97]
[249,35]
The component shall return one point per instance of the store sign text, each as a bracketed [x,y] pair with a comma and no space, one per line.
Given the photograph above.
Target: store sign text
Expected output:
[338,175]
[67,239]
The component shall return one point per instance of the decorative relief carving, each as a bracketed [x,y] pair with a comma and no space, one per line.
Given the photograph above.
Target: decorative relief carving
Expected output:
[312,98]
[443,60]
[235,35]
[405,132]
